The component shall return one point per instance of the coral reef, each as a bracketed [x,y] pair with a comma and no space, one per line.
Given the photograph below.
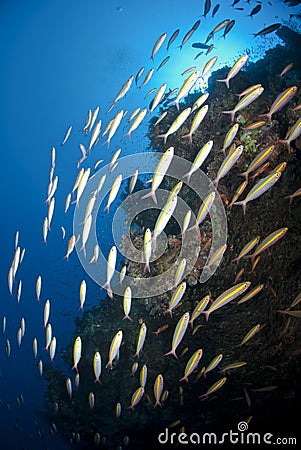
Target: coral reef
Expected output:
[272,356]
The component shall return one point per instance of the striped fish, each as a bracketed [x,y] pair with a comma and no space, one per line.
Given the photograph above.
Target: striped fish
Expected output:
[159,42]
[133,182]
[186,221]
[137,122]
[199,309]
[172,38]
[113,126]
[249,335]
[292,134]
[143,375]
[245,101]
[192,364]
[164,216]
[229,137]
[176,297]
[163,62]
[189,33]
[139,74]
[114,348]
[270,240]
[180,271]
[208,66]
[177,123]
[238,193]
[141,339]
[179,334]
[205,209]
[247,248]
[158,97]
[214,387]
[226,297]
[125,88]
[185,88]
[97,367]
[127,300]
[199,159]
[234,365]
[251,294]
[77,351]
[199,101]
[216,257]
[147,78]
[260,188]
[198,118]
[158,389]
[159,173]
[214,363]
[254,125]
[258,160]
[235,69]
[136,397]
[282,99]
[228,163]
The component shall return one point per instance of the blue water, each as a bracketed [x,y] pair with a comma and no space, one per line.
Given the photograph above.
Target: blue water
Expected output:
[59,59]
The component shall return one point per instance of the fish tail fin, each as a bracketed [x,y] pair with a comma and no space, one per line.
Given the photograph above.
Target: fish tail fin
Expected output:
[187,176]
[232,113]
[189,135]
[268,115]
[97,380]
[193,227]
[244,174]
[244,206]
[107,142]
[128,134]
[147,267]
[174,102]
[109,365]
[107,286]
[172,352]
[215,183]
[107,208]
[206,314]
[285,141]
[158,403]
[290,197]
[151,194]
[83,249]
[127,317]
[164,136]
[226,81]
